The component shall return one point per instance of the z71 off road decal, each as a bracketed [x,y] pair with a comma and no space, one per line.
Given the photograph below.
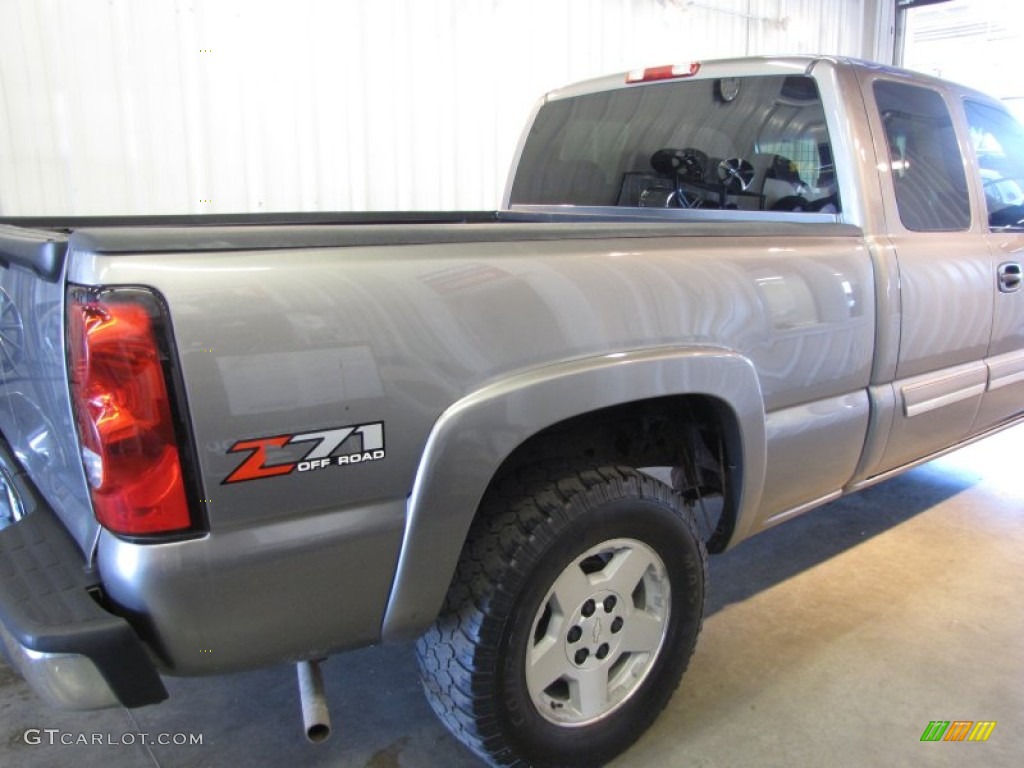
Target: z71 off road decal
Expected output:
[325,451]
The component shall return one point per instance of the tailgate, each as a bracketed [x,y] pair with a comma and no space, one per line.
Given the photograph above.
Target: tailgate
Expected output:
[35,404]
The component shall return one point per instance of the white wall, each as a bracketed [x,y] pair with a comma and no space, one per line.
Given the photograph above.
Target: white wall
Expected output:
[178,106]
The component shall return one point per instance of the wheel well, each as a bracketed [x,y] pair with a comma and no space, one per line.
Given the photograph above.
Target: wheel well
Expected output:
[691,442]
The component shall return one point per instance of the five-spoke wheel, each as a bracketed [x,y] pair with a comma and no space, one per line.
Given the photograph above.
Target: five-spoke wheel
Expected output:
[597,631]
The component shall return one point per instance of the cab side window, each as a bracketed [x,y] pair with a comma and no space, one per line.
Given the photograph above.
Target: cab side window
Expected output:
[926,164]
[998,142]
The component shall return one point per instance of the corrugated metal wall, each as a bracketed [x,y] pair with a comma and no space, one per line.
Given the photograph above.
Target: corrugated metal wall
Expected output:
[177,106]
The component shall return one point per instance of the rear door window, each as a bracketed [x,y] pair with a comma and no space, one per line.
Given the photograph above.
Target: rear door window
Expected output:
[927,167]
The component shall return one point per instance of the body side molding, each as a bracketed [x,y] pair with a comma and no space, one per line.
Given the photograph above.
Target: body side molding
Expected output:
[932,391]
[1005,370]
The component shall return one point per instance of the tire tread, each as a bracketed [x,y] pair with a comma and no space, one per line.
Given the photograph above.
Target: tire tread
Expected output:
[520,512]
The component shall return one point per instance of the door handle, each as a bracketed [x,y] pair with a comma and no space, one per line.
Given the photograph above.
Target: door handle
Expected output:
[1009,277]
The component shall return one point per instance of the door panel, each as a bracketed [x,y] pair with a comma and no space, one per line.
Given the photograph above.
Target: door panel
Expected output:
[947,303]
[998,154]
[1004,399]
[933,411]
[945,270]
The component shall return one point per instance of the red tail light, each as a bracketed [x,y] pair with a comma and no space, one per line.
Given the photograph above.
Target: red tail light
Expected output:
[124,415]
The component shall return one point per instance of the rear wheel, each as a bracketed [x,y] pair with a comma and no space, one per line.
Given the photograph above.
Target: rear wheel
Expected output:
[573,612]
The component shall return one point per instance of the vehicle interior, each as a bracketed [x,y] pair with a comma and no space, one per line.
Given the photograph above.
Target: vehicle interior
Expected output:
[752,144]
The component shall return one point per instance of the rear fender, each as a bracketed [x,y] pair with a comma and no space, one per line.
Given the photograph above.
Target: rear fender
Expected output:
[475,435]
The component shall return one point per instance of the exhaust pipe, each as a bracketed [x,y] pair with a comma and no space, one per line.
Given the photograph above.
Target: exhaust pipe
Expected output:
[315,717]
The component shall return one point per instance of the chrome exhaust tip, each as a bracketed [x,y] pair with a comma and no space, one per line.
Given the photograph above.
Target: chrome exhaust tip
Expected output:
[316,718]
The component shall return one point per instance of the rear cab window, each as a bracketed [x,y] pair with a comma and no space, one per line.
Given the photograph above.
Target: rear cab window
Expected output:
[998,142]
[752,144]
[927,167]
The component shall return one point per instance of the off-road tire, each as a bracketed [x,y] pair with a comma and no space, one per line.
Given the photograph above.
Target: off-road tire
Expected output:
[529,536]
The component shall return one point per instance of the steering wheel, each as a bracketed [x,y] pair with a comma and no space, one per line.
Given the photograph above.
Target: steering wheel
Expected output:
[1009,216]
[1000,180]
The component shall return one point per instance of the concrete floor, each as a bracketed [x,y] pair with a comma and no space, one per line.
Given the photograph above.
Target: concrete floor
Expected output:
[832,640]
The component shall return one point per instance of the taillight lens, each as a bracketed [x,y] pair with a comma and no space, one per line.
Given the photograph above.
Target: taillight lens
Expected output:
[669,72]
[124,416]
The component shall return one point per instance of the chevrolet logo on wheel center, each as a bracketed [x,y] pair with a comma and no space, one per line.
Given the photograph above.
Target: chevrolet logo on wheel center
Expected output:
[321,455]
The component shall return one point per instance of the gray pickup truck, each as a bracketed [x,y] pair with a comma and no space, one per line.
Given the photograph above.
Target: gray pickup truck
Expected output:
[716,296]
